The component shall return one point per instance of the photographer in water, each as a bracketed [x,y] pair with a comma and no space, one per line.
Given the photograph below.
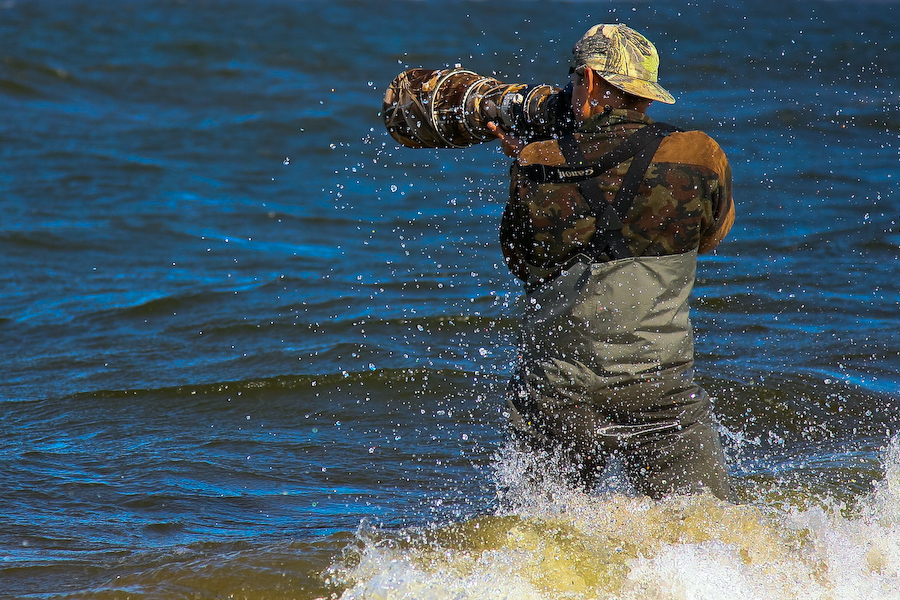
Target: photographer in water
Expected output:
[604,223]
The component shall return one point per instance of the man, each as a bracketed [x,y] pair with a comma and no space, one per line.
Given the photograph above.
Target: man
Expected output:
[604,227]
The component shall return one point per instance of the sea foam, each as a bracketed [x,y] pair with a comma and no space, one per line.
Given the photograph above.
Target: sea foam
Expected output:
[552,542]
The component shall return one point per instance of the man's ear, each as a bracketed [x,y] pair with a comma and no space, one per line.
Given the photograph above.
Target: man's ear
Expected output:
[590,80]
[597,89]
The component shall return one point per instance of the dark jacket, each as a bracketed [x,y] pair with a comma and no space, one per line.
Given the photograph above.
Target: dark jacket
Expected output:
[683,204]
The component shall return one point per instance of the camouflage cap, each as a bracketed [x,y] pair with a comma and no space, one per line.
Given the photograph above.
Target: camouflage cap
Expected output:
[624,58]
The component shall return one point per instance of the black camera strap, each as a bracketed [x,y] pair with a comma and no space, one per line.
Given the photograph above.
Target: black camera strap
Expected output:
[639,146]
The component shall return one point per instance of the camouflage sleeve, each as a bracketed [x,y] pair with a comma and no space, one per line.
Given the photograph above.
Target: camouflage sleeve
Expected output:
[715,229]
[699,178]
[511,234]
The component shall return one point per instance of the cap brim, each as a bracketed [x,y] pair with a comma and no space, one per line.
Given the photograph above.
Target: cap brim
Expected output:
[639,87]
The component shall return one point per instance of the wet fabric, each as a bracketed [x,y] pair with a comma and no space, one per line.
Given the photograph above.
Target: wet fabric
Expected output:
[606,368]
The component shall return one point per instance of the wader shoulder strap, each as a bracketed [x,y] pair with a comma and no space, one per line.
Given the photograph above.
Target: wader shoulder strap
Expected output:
[641,146]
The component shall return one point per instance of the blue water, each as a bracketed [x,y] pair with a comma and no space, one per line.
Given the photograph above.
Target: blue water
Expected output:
[237,321]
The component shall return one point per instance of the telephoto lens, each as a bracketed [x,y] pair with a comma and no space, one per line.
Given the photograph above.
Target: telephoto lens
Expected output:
[450,108]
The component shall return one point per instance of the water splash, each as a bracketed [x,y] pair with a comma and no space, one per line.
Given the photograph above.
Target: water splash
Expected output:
[551,542]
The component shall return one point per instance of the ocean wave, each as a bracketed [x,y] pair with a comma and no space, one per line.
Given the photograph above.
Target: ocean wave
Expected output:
[555,543]
[376,378]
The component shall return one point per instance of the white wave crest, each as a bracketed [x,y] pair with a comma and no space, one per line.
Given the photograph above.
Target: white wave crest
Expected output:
[550,542]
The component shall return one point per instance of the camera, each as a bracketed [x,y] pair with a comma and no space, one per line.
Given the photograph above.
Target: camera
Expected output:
[450,108]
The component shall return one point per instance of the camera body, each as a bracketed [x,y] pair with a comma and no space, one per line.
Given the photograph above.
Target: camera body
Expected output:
[450,108]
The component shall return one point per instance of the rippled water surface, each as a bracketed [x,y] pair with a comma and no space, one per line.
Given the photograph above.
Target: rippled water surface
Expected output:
[251,348]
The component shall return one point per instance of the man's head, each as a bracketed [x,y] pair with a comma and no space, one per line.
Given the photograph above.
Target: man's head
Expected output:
[622,57]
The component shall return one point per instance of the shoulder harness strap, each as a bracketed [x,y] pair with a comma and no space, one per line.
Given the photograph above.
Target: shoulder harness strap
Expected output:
[641,146]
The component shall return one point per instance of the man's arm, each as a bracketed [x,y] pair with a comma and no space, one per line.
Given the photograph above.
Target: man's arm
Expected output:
[723,213]
[511,145]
